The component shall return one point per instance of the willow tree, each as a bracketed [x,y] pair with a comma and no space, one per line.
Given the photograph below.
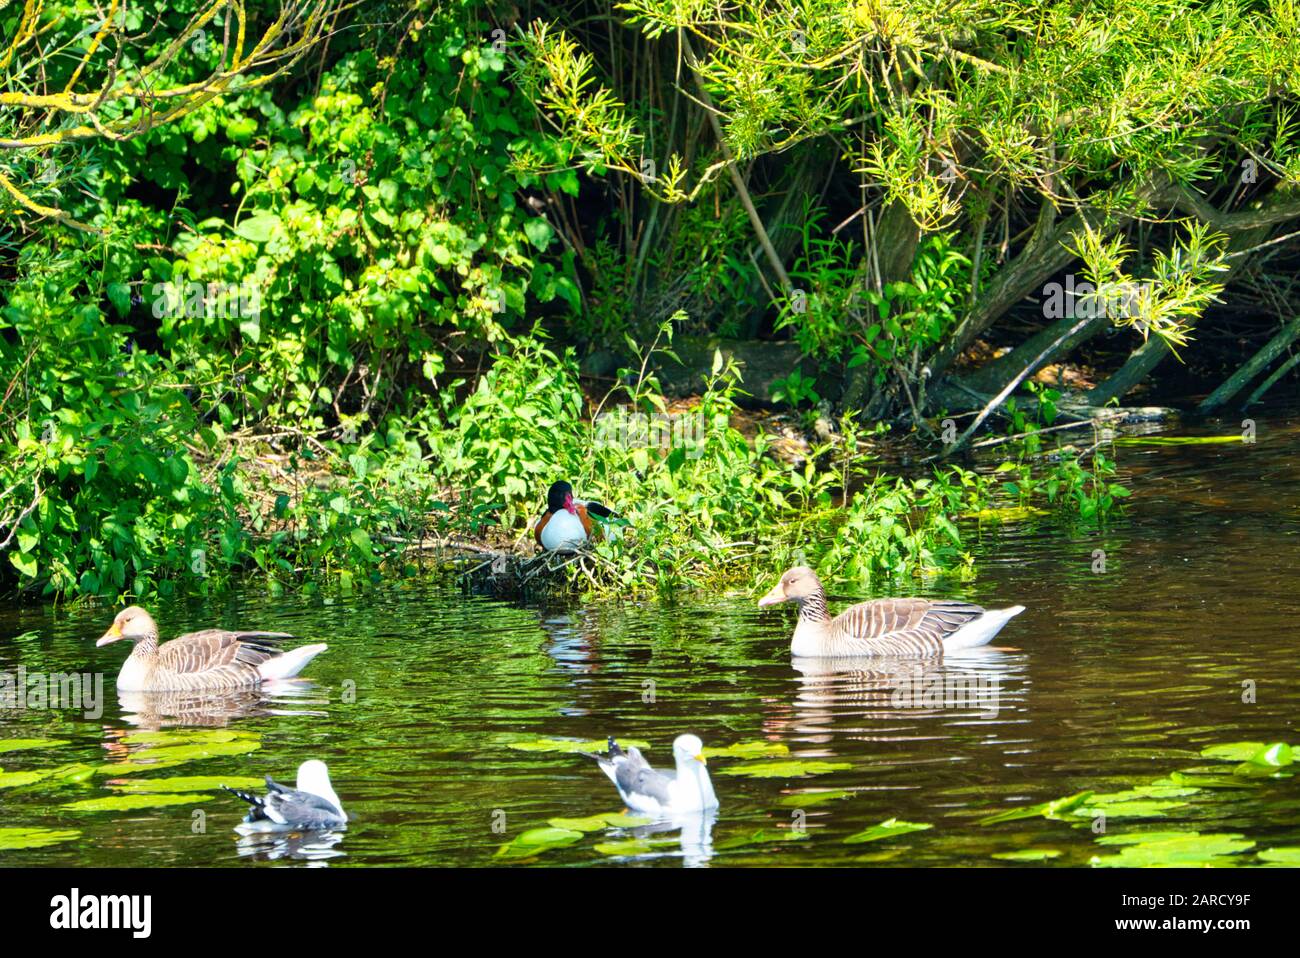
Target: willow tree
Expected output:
[1147,145]
[66,82]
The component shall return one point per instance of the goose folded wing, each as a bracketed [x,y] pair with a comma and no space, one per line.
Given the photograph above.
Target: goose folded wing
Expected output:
[214,648]
[886,619]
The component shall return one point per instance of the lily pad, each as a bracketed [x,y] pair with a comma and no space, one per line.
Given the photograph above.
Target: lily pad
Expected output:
[596,823]
[16,744]
[796,768]
[1028,855]
[1139,809]
[535,841]
[634,846]
[1056,808]
[14,779]
[1275,754]
[1289,855]
[148,759]
[187,783]
[763,836]
[747,750]
[805,799]
[1191,848]
[12,838]
[889,828]
[168,737]
[125,803]
[572,745]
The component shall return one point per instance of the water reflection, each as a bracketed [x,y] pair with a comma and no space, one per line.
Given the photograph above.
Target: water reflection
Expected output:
[314,847]
[216,709]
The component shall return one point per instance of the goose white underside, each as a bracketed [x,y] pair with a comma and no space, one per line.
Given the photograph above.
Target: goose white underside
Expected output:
[982,630]
[289,664]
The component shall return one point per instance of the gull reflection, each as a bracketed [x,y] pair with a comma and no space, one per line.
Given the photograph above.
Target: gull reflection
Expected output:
[316,848]
[695,843]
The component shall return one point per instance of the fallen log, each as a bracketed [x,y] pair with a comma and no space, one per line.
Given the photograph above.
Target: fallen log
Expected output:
[1252,367]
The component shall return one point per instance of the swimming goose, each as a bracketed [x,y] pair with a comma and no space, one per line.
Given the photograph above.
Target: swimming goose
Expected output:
[312,806]
[646,790]
[568,522]
[199,661]
[899,627]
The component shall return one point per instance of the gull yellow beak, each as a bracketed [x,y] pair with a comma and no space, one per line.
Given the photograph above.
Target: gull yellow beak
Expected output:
[112,635]
[772,598]
[702,760]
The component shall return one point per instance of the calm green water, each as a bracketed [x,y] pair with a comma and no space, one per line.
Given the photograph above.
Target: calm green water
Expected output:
[1112,680]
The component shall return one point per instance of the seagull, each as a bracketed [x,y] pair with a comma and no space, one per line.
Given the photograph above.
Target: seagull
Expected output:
[312,806]
[655,793]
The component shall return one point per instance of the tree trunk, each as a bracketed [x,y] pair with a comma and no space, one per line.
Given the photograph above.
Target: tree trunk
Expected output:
[1252,368]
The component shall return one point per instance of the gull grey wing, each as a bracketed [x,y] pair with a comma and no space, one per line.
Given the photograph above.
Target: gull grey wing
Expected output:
[634,776]
[289,806]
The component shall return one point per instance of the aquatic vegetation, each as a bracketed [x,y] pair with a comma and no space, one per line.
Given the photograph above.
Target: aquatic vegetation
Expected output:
[807,799]
[19,744]
[126,803]
[1185,850]
[536,841]
[185,783]
[890,828]
[1028,855]
[14,837]
[571,745]
[795,768]
[596,823]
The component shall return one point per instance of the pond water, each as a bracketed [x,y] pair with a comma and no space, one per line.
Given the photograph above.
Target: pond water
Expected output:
[1110,681]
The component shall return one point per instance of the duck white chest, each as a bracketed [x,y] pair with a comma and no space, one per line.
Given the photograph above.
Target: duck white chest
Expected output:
[564,530]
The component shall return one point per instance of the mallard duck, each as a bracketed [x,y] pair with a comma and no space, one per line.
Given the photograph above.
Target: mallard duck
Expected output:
[568,522]
[198,661]
[646,790]
[896,627]
[312,806]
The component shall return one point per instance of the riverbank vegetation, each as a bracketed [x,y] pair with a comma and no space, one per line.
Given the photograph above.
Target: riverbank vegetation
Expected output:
[308,290]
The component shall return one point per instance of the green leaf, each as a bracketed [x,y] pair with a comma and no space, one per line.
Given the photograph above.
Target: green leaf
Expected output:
[12,838]
[18,744]
[1028,855]
[797,768]
[889,828]
[124,803]
[259,227]
[539,232]
[187,783]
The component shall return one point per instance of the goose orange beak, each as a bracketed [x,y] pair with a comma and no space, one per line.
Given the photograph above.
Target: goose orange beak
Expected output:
[112,635]
[772,598]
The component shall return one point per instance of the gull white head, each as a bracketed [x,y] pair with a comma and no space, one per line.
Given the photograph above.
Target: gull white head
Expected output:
[314,777]
[693,772]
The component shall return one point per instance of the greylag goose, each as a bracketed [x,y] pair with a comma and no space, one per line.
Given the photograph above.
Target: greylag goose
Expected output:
[898,627]
[568,522]
[312,806]
[211,659]
[643,789]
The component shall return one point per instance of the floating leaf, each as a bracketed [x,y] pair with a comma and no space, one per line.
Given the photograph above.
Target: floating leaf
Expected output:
[15,744]
[124,803]
[538,840]
[1289,855]
[747,750]
[14,779]
[571,745]
[763,836]
[596,823]
[13,838]
[1053,809]
[1028,855]
[886,829]
[805,799]
[1188,849]
[187,783]
[634,846]
[149,759]
[1127,810]
[797,768]
[169,737]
